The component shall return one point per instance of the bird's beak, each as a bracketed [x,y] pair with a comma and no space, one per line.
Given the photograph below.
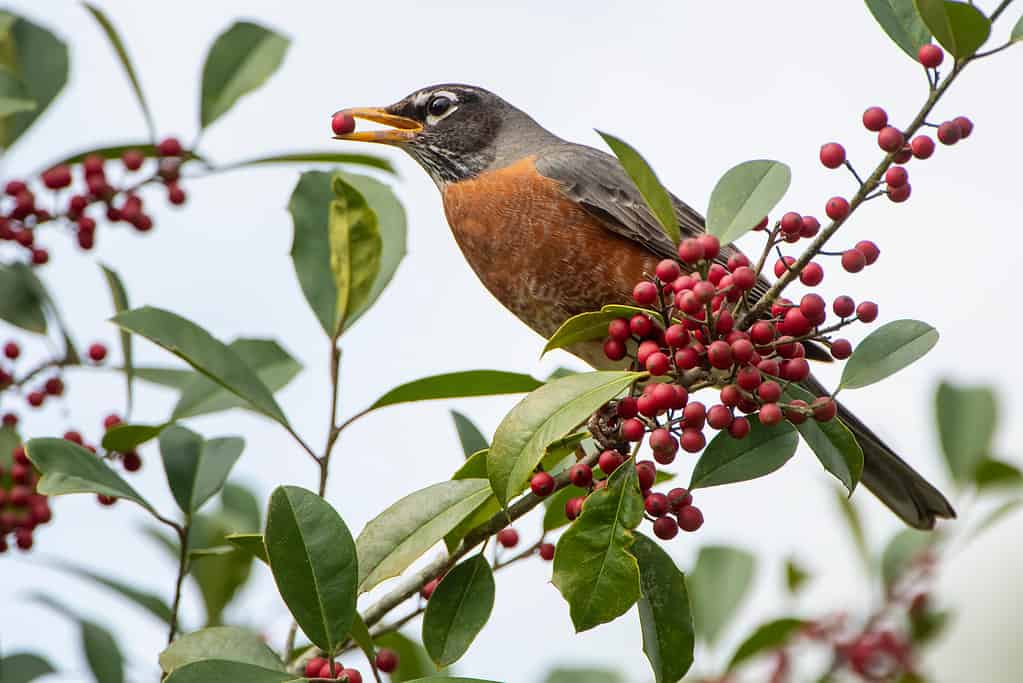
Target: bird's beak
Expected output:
[400,128]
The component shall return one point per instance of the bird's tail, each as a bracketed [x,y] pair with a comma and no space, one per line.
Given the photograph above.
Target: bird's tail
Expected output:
[889,477]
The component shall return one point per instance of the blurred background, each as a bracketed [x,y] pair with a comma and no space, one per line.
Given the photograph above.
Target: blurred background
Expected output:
[697,88]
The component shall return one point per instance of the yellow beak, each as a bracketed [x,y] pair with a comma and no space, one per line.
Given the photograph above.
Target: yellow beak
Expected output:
[401,128]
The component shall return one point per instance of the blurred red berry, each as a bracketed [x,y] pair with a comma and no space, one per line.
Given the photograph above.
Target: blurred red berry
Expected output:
[169,147]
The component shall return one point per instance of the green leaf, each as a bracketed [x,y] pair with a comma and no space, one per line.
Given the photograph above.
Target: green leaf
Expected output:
[225,671]
[9,440]
[360,634]
[590,326]
[40,61]
[664,614]
[545,415]
[554,516]
[108,152]
[994,474]
[967,417]
[458,610]
[996,515]
[413,661]
[252,544]
[127,437]
[458,385]
[593,569]
[68,468]
[887,350]
[449,679]
[202,351]
[310,247]
[657,198]
[313,560]
[117,291]
[355,246]
[376,162]
[196,469]
[1017,32]
[832,442]
[173,378]
[22,302]
[961,28]
[102,653]
[561,675]
[24,667]
[475,467]
[150,602]
[718,583]
[796,576]
[469,435]
[902,23]
[769,636]
[744,195]
[855,526]
[122,55]
[399,535]
[727,460]
[219,642]
[13,95]
[900,552]
[240,61]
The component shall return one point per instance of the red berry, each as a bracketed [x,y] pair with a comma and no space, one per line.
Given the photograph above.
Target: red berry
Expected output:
[40,256]
[627,407]
[508,537]
[97,352]
[736,261]
[678,498]
[949,133]
[676,336]
[57,177]
[791,223]
[739,428]
[10,420]
[657,364]
[869,250]
[795,323]
[770,414]
[769,391]
[719,417]
[690,518]
[546,553]
[843,306]
[132,159]
[35,398]
[12,350]
[618,329]
[105,500]
[875,118]
[867,312]
[614,349]
[692,440]
[574,507]
[965,126]
[581,475]
[665,528]
[542,484]
[900,194]
[312,668]
[719,354]
[350,675]
[824,408]
[762,224]
[812,274]
[837,208]
[680,397]
[169,147]
[812,306]
[711,246]
[922,146]
[781,266]
[646,472]
[742,351]
[668,270]
[748,378]
[841,349]
[175,195]
[694,415]
[930,55]
[74,437]
[832,155]
[342,123]
[810,227]
[645,293]
[793,413]
[610,460]
[54,386]
[703,291]
[853,260]
[744,278]
[131,461]
[896,176]
[690,251]
[795,370]
[890,139]
[641,325]
[656,504]
[387,660]
[762,333]
[687,358]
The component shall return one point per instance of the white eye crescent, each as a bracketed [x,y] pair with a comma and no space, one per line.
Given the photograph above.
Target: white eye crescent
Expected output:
[441,105]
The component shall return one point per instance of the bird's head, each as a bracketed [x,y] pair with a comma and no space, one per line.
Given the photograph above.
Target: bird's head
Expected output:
[454,131]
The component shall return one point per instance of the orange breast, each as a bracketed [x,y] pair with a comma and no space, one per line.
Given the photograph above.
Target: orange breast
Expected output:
[538,252]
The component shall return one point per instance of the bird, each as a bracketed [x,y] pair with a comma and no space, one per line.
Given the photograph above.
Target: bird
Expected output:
[554,229]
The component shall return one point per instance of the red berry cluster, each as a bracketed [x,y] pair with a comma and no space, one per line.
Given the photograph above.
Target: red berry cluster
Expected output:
[51,387]
[319,667]
[22,508]
[21,214]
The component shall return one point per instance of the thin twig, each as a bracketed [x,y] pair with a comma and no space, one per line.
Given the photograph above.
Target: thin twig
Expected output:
[182,571]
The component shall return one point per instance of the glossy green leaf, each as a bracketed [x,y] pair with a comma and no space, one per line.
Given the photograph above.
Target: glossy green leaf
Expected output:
[310,247]
[23,667]
[996,474]
[854,524]
[542,417]
[250,543]
[313,560]
[40,61]
[744,195]
[119,295]
[102,653]
[226,671]
[834,445]
[562,675]
[13,95]
[902,23]
[664,613]
[590,326]
[172,378]
[902,549]
[475,467]
[150,602]
[967,418]
[66,468]
[126,437]
[122,56]
[413,661]
[196,469]
[657,198]
[769,636]
[960,27]
[458,610]
[233,643]
[355,245]
[469,435]
[376,162]
[360,634]
[718,583]
[1017,31]
[240,60]
[887,350]
[458,385]
[22,302]
[202,351]
[796,576]
[399,535]
[727,460]
[593,568]
[554,516]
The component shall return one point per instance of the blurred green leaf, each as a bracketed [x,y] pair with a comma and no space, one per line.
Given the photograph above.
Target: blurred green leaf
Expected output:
[887,350]
[126,437]
[1017,31]
[960,27]
[561,675]
[855,526]
[413,661]
[967,417]
[217,670]
[119,294]
[996,515]
[102,653]
[9,440]
[657,198]
[250,543]
[593,568]
[378,163]
[353,234]
[22,303]
[718,583]
[196,468]
[40,61]
[927,625]
[744,195]
[240,60]
[831,441]
[796,576]
[769,636]
[122,56]
[108,152]
[23,667]
[560,372]
[173,378]
[219,642]
[727,460]
[13,95]
[469,435]
[902,23]
[360,634]
[996,474]
[458,385]
[901,551]
[664,613]
[458,610]
[150,602]
[543,416]
[399,535]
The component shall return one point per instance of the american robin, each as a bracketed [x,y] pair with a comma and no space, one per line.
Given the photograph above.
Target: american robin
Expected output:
[554,229]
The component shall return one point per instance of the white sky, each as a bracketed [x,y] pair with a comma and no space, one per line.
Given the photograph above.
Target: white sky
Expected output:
[697,87]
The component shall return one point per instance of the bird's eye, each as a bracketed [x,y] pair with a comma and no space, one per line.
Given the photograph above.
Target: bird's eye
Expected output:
[439,105]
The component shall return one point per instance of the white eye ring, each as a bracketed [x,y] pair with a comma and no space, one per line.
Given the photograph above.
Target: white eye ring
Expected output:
[431,119]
